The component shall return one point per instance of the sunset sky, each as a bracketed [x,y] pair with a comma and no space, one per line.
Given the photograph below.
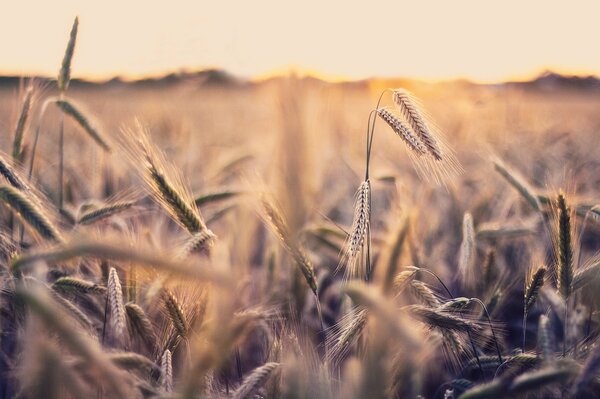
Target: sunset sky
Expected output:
[479,40]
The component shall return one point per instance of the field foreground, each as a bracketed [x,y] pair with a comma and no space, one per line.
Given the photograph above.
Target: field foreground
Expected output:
[196,243]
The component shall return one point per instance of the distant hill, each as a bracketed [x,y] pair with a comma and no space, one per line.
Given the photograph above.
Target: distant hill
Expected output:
[208,77]
[547,81]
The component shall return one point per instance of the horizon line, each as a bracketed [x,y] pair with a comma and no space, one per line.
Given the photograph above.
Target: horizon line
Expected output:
[297,71]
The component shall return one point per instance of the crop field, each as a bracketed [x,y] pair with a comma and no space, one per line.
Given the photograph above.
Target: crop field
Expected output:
[203,236]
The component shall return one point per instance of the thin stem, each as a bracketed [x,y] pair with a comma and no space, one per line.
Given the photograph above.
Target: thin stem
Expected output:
[450,296]
[369,265]
[491,327]
[524,327]
[565,327]
[61,154]
[370,139]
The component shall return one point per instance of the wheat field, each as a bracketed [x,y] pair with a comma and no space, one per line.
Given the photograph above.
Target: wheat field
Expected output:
[291,237]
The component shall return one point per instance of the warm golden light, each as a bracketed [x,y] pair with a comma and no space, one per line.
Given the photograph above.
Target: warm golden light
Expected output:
[426,39]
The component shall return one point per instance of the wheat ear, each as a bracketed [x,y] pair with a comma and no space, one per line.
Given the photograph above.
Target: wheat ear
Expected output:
[166,371]
[104,212]
[76,285]
[416,120]
[75,112]
[254,381]
[565,248]
[140,324]
[64,76]
[22,123]
[115,303]
[176,314]
[30,213]
[402,130]
[358,232]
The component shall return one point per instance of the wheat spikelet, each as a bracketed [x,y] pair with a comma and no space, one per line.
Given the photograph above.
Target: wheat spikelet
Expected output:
[75,111]
[22,123]
[162,179]
[64,76]
[437,318]
[404,277]
[545,340]
[73,310]
[565,248]
[166,374]
[276,222]
[30,213]
[455,304]
[140,324]
[489,270]
[176,314]
[115,303]
[104,212]
[352,326]
[467,251]
[358,232]
[198,242]
[132,361]
[402,130]
[11,175]
[533,287]
[424,293]
[415,119]
[254,381]
[76,285]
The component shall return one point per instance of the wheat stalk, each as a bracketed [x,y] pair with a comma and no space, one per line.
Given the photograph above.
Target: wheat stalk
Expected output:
[116,252]
[519,184]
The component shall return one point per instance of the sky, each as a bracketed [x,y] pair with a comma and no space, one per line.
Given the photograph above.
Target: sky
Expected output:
[436,40]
